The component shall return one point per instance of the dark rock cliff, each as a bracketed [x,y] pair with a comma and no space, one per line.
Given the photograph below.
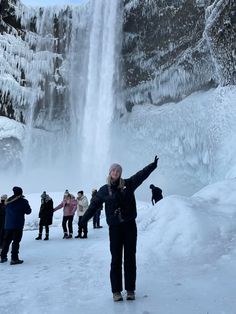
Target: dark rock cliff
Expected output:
[172,48]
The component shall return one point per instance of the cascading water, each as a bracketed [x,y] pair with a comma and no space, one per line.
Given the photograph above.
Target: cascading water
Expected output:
[72,71]
[100,101]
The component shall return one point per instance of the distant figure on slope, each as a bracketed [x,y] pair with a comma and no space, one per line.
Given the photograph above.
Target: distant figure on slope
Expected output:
[16,208]
[82,206]
[2,218]
[69,206]
[120,208]
[156,194]
[45,215]
[96,217]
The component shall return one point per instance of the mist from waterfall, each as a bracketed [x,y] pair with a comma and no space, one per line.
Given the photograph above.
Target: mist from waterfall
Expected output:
[72,102]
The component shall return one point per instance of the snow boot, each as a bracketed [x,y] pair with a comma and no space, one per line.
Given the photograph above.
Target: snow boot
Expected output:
[3,259]
[130,296]
[39,237]
[65,235]
[46,237]
[117,296]
[16,261]
[69,236]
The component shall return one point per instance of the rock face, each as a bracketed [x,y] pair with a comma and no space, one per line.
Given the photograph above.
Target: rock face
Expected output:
[172,48]
[221,34]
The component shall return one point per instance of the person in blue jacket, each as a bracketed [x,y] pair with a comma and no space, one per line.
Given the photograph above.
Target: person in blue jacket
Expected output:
[120,209]
[16,208]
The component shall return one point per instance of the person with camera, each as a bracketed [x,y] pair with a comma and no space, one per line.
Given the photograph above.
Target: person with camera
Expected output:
[120,208]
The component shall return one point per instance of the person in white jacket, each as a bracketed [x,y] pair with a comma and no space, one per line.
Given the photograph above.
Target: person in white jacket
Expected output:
[82,206]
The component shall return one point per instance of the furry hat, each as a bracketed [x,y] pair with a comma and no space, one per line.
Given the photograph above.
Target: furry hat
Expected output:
[17,191]
[4,197]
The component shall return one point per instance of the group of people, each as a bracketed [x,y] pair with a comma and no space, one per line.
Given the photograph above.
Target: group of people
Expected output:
[120,209]
[70,206]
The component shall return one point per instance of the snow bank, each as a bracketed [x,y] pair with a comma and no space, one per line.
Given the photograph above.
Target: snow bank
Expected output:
[195,140]
[197,229]
[11,128]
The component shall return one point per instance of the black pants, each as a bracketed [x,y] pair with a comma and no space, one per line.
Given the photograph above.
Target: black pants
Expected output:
[1,234]
[14,236]
[83,228]
[96,218]
[41,228]
[68,219]
[123,237]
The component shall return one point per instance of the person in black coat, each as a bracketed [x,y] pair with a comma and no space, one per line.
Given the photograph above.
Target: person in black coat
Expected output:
[16,208]
[156,194]
[45,215]
[120,209]
[2,218]
[96,217]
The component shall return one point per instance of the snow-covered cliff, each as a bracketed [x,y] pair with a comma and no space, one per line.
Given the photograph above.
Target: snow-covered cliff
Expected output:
[173,48]
[83,93]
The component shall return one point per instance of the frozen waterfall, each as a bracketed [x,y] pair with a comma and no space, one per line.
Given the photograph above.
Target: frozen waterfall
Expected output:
[70,61]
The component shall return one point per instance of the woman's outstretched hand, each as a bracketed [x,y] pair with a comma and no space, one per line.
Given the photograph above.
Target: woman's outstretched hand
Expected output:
[156,160]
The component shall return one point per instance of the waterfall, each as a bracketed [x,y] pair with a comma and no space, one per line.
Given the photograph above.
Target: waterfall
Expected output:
[100,99]
[70,67]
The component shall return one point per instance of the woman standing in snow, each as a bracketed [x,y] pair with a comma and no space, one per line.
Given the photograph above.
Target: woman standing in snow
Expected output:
[120,208]
[45,215]
[69,205]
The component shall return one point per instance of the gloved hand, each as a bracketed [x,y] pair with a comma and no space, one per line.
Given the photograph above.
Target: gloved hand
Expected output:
[156,160]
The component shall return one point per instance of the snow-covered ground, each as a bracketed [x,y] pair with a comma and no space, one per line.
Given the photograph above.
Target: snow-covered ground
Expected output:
[186,261]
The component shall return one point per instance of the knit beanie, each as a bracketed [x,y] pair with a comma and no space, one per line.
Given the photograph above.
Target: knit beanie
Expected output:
[115,167]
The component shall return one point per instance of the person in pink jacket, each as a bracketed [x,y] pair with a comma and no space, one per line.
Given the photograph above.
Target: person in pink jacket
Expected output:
[69,205]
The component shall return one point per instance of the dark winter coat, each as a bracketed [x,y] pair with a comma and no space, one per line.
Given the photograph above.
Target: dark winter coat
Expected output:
[46,213]
[16,208]
[156,194]
[2,215]
[120,204]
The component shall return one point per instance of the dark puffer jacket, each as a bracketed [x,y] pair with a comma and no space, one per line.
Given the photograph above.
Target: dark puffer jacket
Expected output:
[46,213]
[2,215]
[16,208]
[120,204]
